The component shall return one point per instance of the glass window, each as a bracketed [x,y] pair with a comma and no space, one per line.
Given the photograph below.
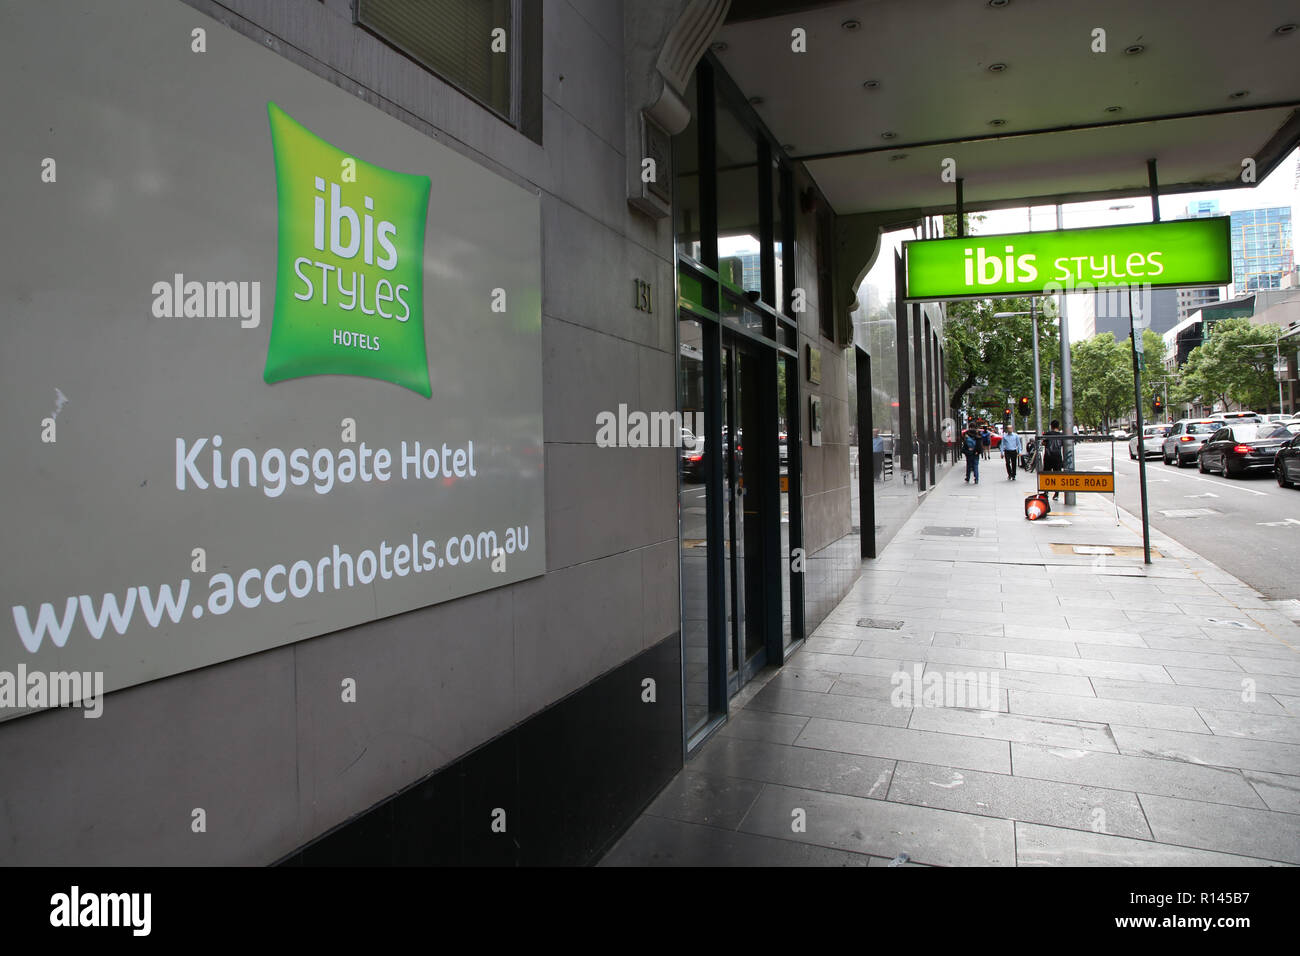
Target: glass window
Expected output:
[778,233]
[453,38]
[686,185]
[738,210]
[692,506]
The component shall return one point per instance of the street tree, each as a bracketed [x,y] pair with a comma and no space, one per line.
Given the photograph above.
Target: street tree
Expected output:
[1103,379]
[1234,366]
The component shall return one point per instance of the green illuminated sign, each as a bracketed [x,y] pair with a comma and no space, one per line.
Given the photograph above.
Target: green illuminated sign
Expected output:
[349,291]
[1184,252]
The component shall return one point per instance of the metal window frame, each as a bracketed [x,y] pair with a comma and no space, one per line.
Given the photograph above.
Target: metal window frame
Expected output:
[524,23]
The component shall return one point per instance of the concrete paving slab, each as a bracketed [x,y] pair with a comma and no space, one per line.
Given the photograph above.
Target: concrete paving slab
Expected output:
[1264,834]
[1038,845]
[880,828]
[902,744]
[1209,750]
[1019,798]
[1138,774]
[855,775]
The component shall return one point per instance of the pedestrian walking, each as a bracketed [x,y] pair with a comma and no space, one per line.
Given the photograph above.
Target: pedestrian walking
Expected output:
[1054,451]
[985,438]
[971,448]
[1011,451]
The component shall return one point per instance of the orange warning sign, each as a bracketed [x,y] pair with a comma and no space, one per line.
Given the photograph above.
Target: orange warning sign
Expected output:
[1103,481]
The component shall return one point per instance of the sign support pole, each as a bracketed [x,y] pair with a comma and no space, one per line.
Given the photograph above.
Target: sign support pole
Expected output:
[1142,452]
[1038,384]
[1153,182]
[1067,384]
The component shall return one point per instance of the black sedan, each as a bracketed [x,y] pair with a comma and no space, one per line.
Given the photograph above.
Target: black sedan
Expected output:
[1237,449]
[1286,467]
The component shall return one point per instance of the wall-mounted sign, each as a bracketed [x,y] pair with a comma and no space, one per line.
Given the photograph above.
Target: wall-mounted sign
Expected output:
[815,419]
[262,380]
[641,300]
[814,365]
[1184,252]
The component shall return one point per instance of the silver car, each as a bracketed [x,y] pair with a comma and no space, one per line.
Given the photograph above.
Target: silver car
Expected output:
[1184,441]
[1151,442]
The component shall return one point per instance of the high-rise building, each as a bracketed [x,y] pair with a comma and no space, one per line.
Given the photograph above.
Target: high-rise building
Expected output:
[1110,310]
[1261,248]
[1189,300]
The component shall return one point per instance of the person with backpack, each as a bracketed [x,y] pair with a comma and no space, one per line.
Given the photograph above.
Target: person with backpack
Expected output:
[971,446]
[1054,451]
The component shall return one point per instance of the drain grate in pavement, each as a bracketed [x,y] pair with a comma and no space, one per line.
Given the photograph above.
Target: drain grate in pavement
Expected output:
[878,623]
[1190,512]
[948,531]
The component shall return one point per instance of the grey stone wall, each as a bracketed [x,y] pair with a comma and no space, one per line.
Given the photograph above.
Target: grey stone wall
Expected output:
[263,743]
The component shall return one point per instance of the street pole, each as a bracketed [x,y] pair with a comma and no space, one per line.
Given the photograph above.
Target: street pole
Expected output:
[1276,363]
[1038,384]
[1067,386]
[1142,452]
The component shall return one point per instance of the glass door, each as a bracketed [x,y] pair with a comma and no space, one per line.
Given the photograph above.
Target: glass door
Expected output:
[745,471]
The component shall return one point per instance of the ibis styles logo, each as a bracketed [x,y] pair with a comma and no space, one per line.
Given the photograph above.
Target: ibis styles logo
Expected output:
[349,296]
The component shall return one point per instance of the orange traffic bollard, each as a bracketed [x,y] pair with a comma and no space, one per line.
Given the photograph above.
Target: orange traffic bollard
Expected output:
[1036,506]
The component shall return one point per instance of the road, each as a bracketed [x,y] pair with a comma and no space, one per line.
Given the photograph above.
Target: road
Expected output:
[1252,530]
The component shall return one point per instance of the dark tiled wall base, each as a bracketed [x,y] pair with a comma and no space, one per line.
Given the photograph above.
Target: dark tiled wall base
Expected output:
[832,572]
[570,780]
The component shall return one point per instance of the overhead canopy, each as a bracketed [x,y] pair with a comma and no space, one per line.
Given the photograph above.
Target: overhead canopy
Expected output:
[1214,83]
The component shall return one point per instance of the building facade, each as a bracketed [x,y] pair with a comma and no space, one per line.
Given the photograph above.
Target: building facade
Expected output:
[591,172]
[1262,250]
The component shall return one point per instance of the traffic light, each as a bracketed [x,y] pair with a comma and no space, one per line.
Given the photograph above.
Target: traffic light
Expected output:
[1157,405]
[1024,406]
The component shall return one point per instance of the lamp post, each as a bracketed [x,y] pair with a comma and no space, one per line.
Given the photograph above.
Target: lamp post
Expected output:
[1038,385]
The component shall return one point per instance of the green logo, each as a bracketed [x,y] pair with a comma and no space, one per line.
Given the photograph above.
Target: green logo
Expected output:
[349,296]
[1191,252]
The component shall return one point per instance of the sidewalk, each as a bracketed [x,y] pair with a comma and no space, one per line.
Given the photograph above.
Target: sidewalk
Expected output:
[1144,716]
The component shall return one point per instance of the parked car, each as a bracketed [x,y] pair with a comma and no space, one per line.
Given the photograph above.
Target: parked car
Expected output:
[1119,434]
[1185,439]
[1286,466]
[1151,441]
[692,456]
[1241,447]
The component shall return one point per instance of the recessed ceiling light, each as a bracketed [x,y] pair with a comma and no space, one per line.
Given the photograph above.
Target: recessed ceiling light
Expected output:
[897,156]
[871,85]
[998,3]
[1287,28]
[719,47]
[1135,49]
[788,147]
[851,25]
[756,101]
[1113,109]
[888,134]
[1240,94]
[997,122]
[997,67]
